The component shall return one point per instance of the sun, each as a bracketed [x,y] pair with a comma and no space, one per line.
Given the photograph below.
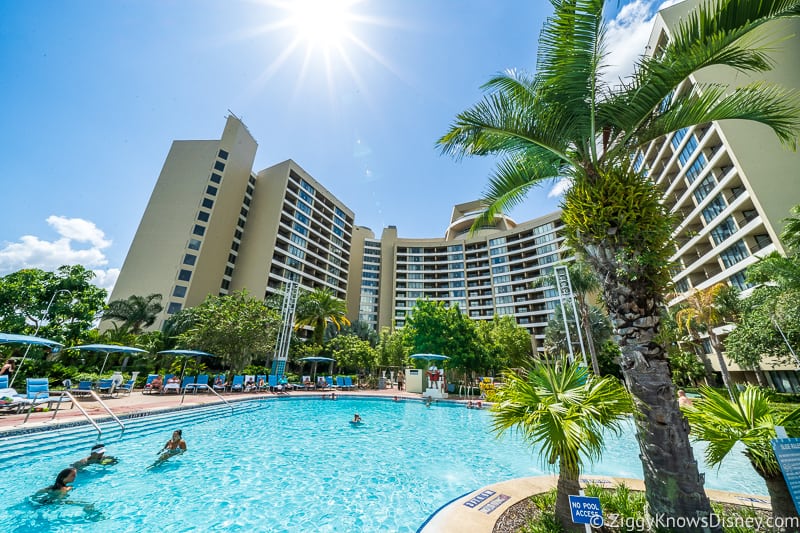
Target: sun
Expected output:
[321,23]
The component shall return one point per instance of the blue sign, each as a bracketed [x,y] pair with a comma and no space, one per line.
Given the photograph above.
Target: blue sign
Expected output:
[586,510]
[787,451]
[475,500]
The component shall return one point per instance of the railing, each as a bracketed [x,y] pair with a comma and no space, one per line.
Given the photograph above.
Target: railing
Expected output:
[75,403]
[196,386]
[107,408]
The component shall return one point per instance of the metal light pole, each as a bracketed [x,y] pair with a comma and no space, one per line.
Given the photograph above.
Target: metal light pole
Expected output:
[38,325]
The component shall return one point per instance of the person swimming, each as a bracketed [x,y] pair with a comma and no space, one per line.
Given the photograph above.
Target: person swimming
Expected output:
[96,456]
[356,419]
[174,446]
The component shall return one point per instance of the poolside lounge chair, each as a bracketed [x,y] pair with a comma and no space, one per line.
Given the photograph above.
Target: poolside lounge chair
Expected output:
[329,381]
[126,387]
[275,385]
[148,388]
[201,384]
[11,401]
[107,388]
[187,381]
[237,384]
[262,384]
[84,388]
[175,386]
[39,392]
[348,383]
[219,387]
[340,382]
[3,382]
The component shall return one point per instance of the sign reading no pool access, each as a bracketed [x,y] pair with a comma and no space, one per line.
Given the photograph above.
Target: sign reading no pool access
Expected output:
[586,510]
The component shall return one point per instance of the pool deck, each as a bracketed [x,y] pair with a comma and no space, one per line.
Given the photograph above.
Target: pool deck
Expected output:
[475,512]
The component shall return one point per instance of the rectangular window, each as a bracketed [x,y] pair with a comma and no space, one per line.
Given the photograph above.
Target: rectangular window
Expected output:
[725,229]
[208,203]
[222,154]
[185,275]
[687,151]
[704,188]
[714,208]
[235,246]
[173,308]
[194,244]
[338,231]
[216,178]
[189,259]
[211,190]
[237,234]
[219,165]
[306,197]
[499,269]
[297,252]
[307,186]
[738,280]
[682,285]
[226,284]
[228,271]
[697,167]
[249,190]
[678,137]
[303,207]
[232,259]
[199,230]
[733,254]
[203,216]
[180,291]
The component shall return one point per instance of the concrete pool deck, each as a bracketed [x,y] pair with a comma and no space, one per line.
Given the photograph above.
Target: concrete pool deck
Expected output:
[475,512]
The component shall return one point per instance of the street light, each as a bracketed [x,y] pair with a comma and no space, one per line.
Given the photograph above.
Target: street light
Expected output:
[38,325]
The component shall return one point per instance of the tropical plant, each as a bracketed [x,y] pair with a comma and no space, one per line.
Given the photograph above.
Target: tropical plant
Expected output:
[363,330]
[686,368]
[351,353]
[563,410]
[791,231]
[566,121]
[136,312]
[750,419]
[506,344]
[705,310]
[595,322]
[317,309]
[392,348]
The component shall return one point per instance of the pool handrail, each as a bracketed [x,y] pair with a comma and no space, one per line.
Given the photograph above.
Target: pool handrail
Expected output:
[205,386]
[80,408]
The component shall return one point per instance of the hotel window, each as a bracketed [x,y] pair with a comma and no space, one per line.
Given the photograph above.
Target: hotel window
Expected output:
[228,271]
[237,234]
[180,291]
[199,230]
[714,208]
[304,184]
[682,285]
[216,178]
[235,246]
[211,190]
[301,218]
[687,151]
[194,244]
[232,259]
[725,229]
[247,201]
[297,252]
[739,281]
[678,137]
[173,308]
[219,165]
[185,275]
[300,229]
[208,203]
[338,231]
[732,255]
[189,259]
[306,197]
[696,168]
[251,180]
[241,222]
[298,240]
[704,188]
[762,240]
[249,190]
[226,284]
[499,269]
[222,154]
[203,216]
[303,207]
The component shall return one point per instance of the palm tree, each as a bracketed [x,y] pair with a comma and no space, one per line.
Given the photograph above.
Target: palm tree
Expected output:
[791,232]
[596,322]
[136,313]
[707,309]
[751,420]
[563,409]
[317,309]
[567,122]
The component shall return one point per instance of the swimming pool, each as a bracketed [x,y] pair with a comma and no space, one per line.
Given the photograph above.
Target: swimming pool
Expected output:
[298,465]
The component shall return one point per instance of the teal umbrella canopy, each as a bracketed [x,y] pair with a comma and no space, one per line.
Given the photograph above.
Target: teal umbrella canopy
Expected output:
[107,349]
[11,338]
[316,360]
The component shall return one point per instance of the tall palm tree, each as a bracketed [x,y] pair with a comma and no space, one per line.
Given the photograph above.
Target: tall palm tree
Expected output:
[567,122]
[791,232]
[136,312]
[751,420]
[563,409]
[707,309]
[317,309]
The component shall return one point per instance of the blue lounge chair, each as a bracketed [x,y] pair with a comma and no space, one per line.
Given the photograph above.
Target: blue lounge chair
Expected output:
[148,388]
[39,392]
[340,382]
[218,387]
[126,387]
[3,382]
[187,381]
[200,384]
[262,384]
[348,382]
[329,381]
[106,387]
[237,384]
[84,388]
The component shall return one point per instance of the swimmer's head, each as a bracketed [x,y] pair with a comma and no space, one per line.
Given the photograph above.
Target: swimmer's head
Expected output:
[98,449]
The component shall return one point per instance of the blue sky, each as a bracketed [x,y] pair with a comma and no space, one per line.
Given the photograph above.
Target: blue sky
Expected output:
[96,91]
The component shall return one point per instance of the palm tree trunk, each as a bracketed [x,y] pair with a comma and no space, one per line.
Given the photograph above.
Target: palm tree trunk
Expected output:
[723,366]
[779,496]
[587,328]
[568,484]
[674,486]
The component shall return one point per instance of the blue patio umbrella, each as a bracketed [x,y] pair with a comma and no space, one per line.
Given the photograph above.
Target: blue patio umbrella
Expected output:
[429,357]
[187,354]
[316,360]
[30,340]
[107,349]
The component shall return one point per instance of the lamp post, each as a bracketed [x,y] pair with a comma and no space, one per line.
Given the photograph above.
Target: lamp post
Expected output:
[38,325]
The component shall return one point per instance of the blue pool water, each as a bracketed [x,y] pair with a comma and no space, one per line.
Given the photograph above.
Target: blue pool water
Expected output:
[298,465]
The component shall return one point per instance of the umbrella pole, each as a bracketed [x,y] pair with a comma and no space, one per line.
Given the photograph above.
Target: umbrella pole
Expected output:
[19,367]
[183,371]
[104,363]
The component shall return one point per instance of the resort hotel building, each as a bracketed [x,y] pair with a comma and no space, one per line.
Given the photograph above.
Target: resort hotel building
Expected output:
[213,226]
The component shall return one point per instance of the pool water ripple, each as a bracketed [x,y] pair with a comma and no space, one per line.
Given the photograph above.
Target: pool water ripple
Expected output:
[298,465]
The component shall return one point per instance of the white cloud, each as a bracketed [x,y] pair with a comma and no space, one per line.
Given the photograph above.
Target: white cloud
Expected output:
[559,188]
[34,252]
[627,35]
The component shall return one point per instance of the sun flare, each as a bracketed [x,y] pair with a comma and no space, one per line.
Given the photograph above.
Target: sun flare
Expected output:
[323,23]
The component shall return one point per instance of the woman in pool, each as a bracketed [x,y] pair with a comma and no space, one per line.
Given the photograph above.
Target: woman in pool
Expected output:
[176,443]
[356,419]
[60,488]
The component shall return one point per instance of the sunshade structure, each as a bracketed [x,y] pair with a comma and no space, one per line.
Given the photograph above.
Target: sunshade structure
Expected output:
[187,354]
[316,360]
[107,349]
[30,340]
[429,357]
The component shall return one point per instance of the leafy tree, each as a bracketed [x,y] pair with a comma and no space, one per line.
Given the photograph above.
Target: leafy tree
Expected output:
[135,312]
[392,347]
[352,353]
[73,300]
[363,330]
[562,409]
[707,309]
[791,232]
[596,322]
[317,309]
[686,368]
[567,121]
[751,420]
[235,327]
[435,328]
[507,344]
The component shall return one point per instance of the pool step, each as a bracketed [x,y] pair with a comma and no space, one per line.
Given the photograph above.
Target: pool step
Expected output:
[77,436]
